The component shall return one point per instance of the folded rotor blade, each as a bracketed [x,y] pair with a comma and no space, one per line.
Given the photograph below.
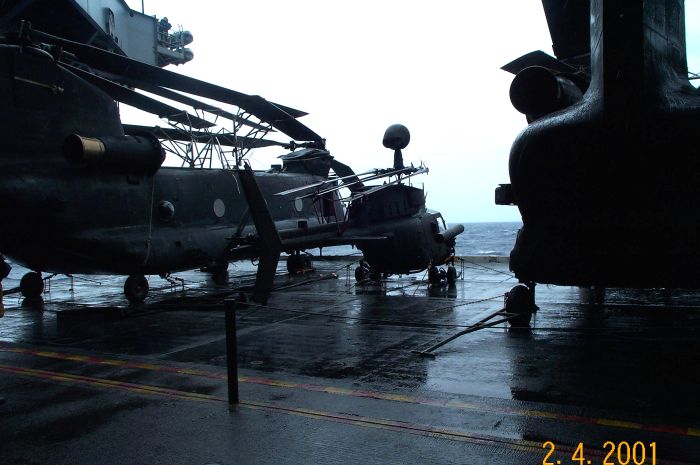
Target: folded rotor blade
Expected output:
[194,103]
[383,186]
[281,117]
[410,171]
[569,28]
[225,139]
[321,183]
[537,58]
[341,169]
[369,191]
[142,102]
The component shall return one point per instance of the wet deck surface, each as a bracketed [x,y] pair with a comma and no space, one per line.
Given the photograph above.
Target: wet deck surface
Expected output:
[327,375]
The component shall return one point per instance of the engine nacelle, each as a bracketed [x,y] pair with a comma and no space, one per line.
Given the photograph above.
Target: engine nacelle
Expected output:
[536,91]
[133,154]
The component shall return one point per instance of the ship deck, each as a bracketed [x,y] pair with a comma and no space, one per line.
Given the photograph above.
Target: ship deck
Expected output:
[327,374]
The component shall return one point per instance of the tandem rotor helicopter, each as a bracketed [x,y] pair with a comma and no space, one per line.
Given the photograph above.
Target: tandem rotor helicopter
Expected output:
[83,193]
[606,173]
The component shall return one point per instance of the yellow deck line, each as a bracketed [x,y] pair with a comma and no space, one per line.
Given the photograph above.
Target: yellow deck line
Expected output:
[353,420]
[333,390]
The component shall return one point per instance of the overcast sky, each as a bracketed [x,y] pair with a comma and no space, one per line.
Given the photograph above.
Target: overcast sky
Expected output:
[358,67]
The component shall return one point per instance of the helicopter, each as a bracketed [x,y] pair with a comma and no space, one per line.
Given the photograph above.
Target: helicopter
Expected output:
[83,193]
[605,174]
[389,223]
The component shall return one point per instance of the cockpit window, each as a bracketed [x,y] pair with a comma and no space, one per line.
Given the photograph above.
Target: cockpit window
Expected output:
[441,222]
[438,220]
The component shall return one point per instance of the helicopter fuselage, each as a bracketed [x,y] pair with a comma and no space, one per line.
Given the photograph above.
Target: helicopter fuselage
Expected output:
[78,196]
[178,219]
[77,218]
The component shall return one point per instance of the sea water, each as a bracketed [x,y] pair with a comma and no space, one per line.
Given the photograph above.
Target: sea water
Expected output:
[487,238]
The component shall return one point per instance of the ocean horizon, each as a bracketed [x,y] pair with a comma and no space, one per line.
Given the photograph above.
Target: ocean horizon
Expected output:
[487,238]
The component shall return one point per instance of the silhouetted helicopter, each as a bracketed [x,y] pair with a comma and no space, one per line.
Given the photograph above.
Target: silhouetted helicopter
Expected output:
[389,223]
[606,174]
[82,193]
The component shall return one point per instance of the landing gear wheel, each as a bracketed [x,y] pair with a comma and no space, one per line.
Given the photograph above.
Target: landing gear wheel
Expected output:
[599,294]
[433,276]
[298,263]
[361,273]
[521,301]
[436,276]
[31,285]
[136,288]
[219,274]
[294,264]
[451,275]
[220,277]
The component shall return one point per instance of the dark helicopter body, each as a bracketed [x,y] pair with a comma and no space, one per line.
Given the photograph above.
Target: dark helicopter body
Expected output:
[606,174]
[76,218]
[58,228]
[82,193]
[399,213]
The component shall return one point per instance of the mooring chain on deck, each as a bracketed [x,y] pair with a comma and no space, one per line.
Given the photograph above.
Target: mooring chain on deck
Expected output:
[399,288]
[488,321]
[493,319]
[317,278]
[421,280]
[347,273]
[472,302]
[507,273]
